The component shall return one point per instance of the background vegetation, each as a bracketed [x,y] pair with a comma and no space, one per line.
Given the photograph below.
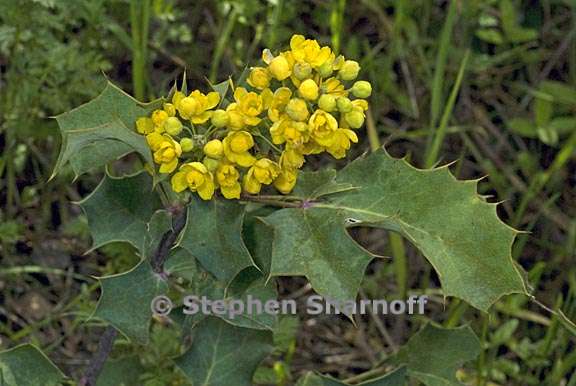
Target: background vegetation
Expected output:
[489,84]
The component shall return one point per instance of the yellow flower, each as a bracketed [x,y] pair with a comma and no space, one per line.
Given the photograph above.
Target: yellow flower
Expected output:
[154,140]
[340,142]
[236,146]
[227,177]
[286,180]
[249,105]
[196,105]
[288,130]
[259,78]
[166,154]
[159,117]
[309,51]
[264,171]
[308,90]
[322,126]
[196,177]
[297,109]
[214,149]
[235,117]
[280,67]
[333,87]
[276,102]
[144,125]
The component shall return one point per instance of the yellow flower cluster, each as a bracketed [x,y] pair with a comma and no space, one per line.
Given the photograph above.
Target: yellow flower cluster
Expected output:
[299,103]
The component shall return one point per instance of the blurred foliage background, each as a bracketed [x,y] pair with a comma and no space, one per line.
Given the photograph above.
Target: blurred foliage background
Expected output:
[489,84]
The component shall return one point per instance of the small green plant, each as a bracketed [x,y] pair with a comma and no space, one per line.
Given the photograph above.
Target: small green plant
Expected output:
[234,243]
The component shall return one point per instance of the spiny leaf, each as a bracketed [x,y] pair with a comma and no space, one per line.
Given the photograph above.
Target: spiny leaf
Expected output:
[102,130]
[456,229]
[313,185]
[120,209]
[394,378]
[434,354]
[126,299]
[26,365]
[222,354]
[213,234]
[314,243]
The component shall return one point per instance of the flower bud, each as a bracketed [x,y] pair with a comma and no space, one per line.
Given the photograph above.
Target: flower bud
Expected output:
[214,149]
[187,144]
[362,89]
[170,109]
[188,107]
[326,69]
[344,105]
[327,102]
[297,109]
[220,118]
[308,90]
[259,78]
[173,126]
[159,117]
[349,70]
[211,164]
[302,70]
[279,68]
[355,119]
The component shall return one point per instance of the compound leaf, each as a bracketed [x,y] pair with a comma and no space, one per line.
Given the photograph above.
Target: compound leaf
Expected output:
[26,365]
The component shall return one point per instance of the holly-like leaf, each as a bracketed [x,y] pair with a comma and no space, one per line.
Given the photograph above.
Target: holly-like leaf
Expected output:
[213,234]
[314,243]
[119,209]
[26,365]
[102,130]
[394,378]
[222,354]
[313,185]
[434,354]
[455,228]
[126,300]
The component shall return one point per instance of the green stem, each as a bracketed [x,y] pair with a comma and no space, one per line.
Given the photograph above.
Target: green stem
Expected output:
[438,136]
[222,42]
[139,25]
